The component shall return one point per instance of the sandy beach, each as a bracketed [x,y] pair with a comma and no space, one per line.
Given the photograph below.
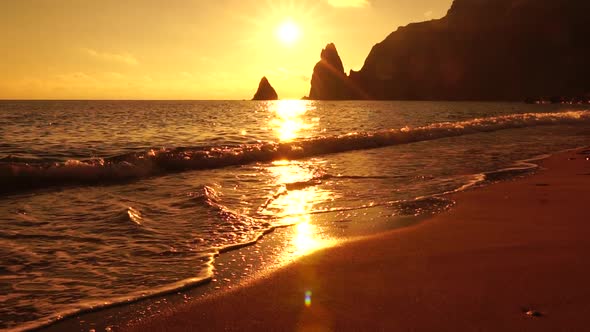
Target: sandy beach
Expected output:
[508,257]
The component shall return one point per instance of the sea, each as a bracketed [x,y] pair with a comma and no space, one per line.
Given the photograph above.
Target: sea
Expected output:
[103,202]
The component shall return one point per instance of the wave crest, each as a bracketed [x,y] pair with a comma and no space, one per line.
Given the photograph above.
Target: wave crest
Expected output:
[26,175]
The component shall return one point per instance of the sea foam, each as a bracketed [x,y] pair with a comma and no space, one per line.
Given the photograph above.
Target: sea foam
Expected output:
[26,175]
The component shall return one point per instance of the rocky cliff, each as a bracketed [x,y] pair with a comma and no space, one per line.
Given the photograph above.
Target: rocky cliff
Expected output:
[328,81]
[265,91]
[481,50]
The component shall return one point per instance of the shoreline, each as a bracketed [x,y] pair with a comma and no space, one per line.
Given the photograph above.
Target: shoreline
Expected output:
[121,316]
[477,266]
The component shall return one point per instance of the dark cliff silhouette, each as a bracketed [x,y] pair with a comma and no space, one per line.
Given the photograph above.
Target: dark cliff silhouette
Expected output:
[328,81]
[481,50]
[265,91]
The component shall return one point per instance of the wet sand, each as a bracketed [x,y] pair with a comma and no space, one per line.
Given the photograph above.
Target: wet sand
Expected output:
[504,250]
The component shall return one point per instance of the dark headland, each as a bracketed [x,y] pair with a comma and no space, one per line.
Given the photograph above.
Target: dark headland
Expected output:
[481,50]
[265,91]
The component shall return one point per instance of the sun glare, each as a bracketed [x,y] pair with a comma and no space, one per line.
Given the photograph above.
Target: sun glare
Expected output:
[288,120]
[288,32]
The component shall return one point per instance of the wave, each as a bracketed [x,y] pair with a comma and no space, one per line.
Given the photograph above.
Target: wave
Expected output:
[521,167]
[18,175]
[413,207]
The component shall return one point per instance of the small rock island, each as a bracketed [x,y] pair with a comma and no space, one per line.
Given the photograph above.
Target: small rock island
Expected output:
[265,91]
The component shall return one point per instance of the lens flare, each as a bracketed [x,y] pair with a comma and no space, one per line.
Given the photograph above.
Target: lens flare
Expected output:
[308,299]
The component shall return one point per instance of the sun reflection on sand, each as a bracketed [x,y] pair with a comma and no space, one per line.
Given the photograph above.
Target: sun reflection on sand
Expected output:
[289,121]
[294,206]
[306,239]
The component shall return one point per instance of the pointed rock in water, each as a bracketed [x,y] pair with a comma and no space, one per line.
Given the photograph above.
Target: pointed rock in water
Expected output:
[329,82]
[265,91]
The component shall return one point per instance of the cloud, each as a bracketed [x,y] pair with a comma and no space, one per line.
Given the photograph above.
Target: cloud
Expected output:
[186,75]
[289,74]
[428,13]
[348,3]
[305,78]
[75,78]
[124,58]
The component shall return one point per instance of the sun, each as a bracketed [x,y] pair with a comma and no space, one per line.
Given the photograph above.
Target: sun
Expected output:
[288,32]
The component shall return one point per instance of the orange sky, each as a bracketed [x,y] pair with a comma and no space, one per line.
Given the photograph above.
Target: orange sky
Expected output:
[184,49]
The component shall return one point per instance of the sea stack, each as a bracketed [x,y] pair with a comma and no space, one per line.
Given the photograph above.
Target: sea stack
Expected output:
[265,91]
[328,81]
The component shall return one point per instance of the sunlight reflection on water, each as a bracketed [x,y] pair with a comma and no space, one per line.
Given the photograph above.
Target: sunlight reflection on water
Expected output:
[294,206]
[289,120]
[295,203]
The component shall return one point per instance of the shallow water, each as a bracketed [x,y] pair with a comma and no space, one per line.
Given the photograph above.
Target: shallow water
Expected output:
[107,201]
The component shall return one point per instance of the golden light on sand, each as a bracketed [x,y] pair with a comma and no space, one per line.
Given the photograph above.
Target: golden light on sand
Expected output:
[306,240]
[288,120]
[288,32]
[295,206]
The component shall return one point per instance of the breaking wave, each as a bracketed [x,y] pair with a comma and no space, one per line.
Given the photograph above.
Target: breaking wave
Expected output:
[20,174]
